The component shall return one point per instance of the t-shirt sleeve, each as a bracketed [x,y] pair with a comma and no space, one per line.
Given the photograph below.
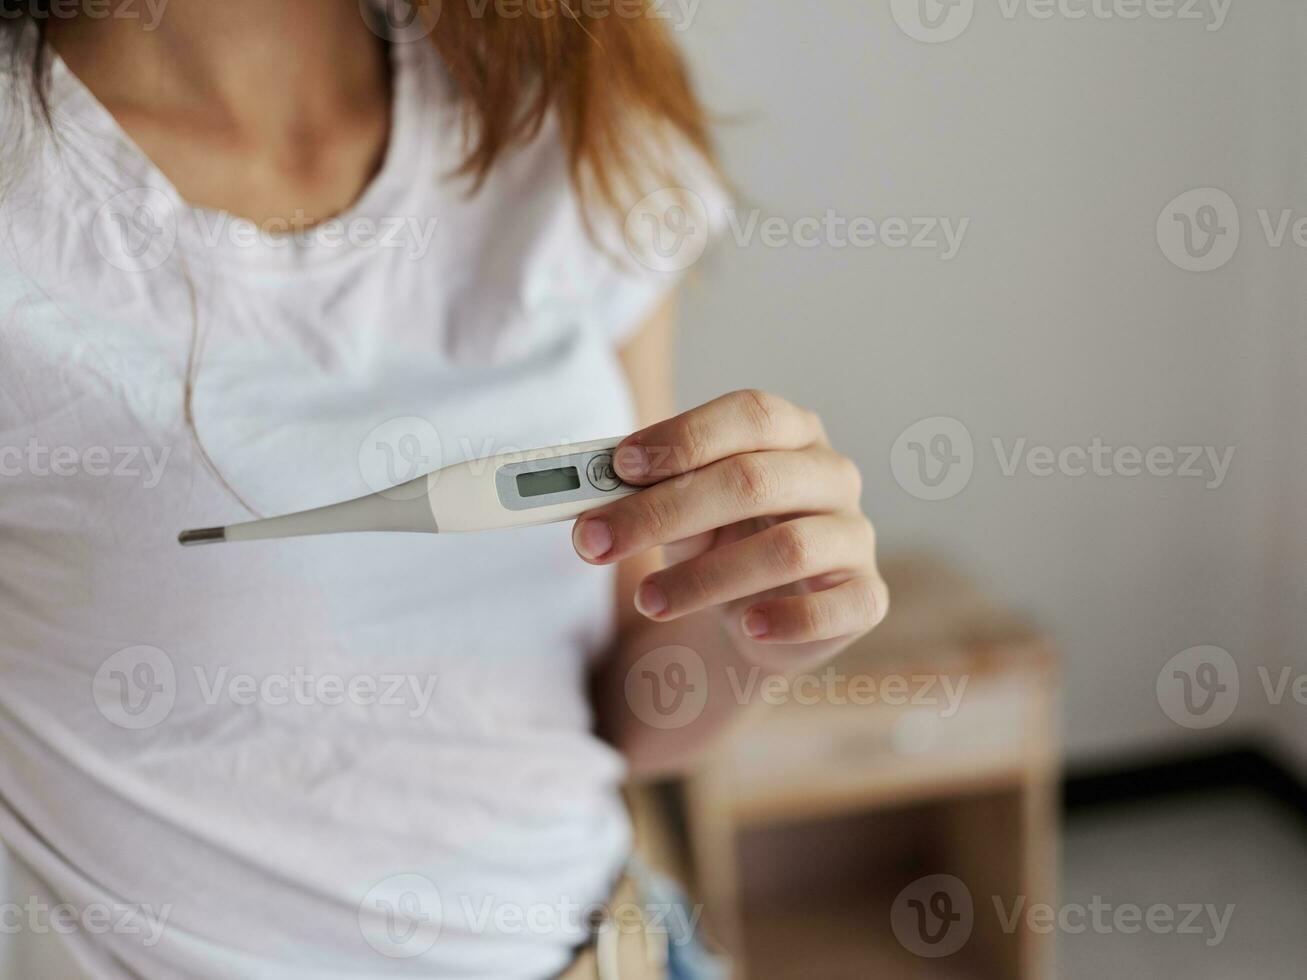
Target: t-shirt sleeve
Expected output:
[642,253]
[613,269]
[664,238]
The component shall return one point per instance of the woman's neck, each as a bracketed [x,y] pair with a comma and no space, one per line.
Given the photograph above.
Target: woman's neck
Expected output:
[255,107]
[255,61]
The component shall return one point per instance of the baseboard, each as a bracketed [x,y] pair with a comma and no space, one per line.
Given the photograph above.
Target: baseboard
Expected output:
[1234,767]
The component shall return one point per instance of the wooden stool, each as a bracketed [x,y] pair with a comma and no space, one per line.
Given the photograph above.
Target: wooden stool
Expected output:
[936,735]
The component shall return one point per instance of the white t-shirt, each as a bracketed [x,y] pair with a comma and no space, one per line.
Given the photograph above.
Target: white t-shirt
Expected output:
[206,748]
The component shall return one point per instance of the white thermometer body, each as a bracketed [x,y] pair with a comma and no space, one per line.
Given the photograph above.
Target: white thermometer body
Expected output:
[540,486]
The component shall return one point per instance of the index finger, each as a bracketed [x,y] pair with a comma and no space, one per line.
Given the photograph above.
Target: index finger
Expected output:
[746,421]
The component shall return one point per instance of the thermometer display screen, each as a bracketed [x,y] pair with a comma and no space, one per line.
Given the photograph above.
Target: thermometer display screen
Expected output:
[548,481]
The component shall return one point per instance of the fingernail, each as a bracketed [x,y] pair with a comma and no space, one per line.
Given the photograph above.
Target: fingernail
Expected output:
[756,623]
[632,461]
[649,599]
[593,538]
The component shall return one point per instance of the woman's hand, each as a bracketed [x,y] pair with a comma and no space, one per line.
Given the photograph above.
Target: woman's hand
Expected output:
[761,523]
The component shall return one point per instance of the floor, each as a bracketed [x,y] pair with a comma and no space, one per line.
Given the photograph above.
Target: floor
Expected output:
[1224,851]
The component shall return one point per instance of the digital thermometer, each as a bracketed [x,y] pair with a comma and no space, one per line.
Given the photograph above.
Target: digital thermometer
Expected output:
[540,486]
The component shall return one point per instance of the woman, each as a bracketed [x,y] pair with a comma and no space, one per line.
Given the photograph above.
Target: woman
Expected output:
[260,257]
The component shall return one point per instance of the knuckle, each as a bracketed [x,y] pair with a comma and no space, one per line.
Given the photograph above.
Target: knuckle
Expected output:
[793,548]
[755,482]
[692,438]
[760,409]
[657,518]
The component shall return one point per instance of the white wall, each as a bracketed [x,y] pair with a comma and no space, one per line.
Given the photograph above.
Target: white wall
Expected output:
[1059,320]
[1289,718]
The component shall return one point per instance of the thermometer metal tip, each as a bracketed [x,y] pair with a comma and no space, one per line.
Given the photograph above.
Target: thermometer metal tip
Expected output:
[203,535]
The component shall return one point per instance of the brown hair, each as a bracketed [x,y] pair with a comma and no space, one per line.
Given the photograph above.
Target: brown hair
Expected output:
[616,81]
[613,76]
